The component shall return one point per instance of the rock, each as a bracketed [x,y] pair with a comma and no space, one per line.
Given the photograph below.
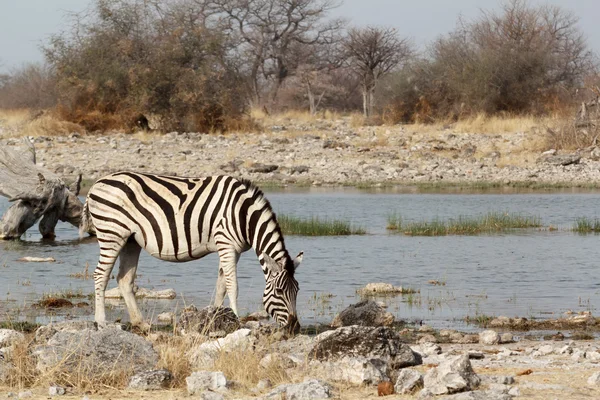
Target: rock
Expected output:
[310,389]
[209,319]
[200,381]
[334,144]
[36,259]
[96,351]
[44,333]
[211,396]
[358,341]
[430,348]
[594,380]
[168,294]
[264,384]
[385,388]
[469,339]
[380,288]
[262,168]
[9,337]
[408,381]
[478,395]
[506,337]
[365,313]
[167,317]
[489,337]
[452,376]
[353,370]
[25,394]
[56,391]
[427,339]
[299,169]
[205,355]
[559,159]
[545,350]
[426,329]
[276,359]
[151,380]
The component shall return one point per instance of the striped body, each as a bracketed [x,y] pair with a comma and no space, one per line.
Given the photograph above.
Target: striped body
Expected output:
[183,219]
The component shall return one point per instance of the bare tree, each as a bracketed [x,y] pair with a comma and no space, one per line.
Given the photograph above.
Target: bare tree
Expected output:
[268,31]
[373,52]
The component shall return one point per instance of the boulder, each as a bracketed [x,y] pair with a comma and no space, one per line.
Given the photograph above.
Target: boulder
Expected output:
[452,376]
[151,380]
[559,159]
[368,342]
[44,333]
[379,288]
[489,337]
[408,381]
[9,337]
[168,294]
[200,381]
[365,313]
[205,354]
[96,351]
[355,371]
[209,319]
[310,389]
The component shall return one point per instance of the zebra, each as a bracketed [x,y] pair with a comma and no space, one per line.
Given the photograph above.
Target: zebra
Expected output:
[183,219]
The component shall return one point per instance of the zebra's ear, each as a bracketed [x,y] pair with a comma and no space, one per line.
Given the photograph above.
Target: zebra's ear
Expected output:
[271,265]
[298,260]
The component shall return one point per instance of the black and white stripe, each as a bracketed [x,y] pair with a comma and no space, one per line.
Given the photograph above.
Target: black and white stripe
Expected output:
[183,219]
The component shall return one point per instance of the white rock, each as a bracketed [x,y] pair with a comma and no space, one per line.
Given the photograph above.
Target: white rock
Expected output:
[165,317]
[355,370]
[594,380]
[25,395]
[205,354]
[489,337]
[211,396]
[310,389]
[593,356]
[115,293]
[9,337]
[408,381]
[454,375]
[264,384]
[206,380]
[56,391]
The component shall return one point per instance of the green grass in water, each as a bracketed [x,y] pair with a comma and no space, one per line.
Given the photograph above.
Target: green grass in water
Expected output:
[586,225]
[489,223]
[314,226]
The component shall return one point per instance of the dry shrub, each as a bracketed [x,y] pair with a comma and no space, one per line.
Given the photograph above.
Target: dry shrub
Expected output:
[172,352]
[566,135]
[24,374]
[497,123]
[48,125]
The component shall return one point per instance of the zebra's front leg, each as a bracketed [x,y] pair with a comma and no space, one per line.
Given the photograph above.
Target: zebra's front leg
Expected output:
[227,279]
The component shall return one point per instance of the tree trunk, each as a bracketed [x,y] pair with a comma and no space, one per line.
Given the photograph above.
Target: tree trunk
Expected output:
[36,193]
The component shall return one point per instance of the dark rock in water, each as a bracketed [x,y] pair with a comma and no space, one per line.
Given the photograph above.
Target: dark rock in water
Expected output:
[151,380]
[365,313]
[209,319]
[359,341]
[53,302]
[560,159]
[96,351]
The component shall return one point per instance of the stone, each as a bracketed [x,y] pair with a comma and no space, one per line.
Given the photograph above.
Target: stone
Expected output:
[359,341]
[276,359]
[408,381]
[427,338]
[168,294]
[200,381]
[489,337]
[264,384]
[25,394]
[559,159]
[96,351]
[594,379]
[469,339]
[151,380]
[206,353]
[506,337]
[167,317]
[299,169]
[44,333]
[209,319]
[379,288]
[452,376]
[211,396]
[353,370]
[9,337]
[310,389]
[262,168]
[56,391]
[430,348]
[365,313]
[478,395]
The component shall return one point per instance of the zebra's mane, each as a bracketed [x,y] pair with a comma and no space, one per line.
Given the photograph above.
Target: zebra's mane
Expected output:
[260,196]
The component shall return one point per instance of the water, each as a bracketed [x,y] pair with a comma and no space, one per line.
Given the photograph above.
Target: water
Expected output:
[532,274]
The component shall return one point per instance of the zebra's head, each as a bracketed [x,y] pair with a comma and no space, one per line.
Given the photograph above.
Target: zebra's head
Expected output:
[281,290]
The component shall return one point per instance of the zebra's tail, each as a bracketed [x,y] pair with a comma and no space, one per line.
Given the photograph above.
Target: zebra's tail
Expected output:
[85,225]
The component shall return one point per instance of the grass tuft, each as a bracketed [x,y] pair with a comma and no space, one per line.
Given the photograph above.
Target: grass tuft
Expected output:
[586,225]
[492,222]
[315,226]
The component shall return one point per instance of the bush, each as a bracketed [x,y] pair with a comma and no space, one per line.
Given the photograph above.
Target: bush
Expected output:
[130,58]
[30,86]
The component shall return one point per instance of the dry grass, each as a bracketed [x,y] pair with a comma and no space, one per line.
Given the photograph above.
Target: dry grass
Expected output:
[172,355]
[302,116]
[23,122]
[498,124]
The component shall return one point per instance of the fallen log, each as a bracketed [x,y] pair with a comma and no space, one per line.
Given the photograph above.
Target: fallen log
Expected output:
[36,194]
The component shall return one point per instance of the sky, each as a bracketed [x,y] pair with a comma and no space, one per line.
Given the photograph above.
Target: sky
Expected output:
[27,24]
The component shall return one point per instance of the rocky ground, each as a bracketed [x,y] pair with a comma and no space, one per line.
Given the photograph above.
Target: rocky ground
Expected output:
[212,355]
[326,152]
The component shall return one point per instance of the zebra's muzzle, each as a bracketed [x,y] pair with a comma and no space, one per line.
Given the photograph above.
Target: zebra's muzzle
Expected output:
[293,326]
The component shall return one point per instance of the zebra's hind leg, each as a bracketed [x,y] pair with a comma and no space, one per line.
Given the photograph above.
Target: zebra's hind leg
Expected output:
[128,262]
[110,247]
[227,279]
